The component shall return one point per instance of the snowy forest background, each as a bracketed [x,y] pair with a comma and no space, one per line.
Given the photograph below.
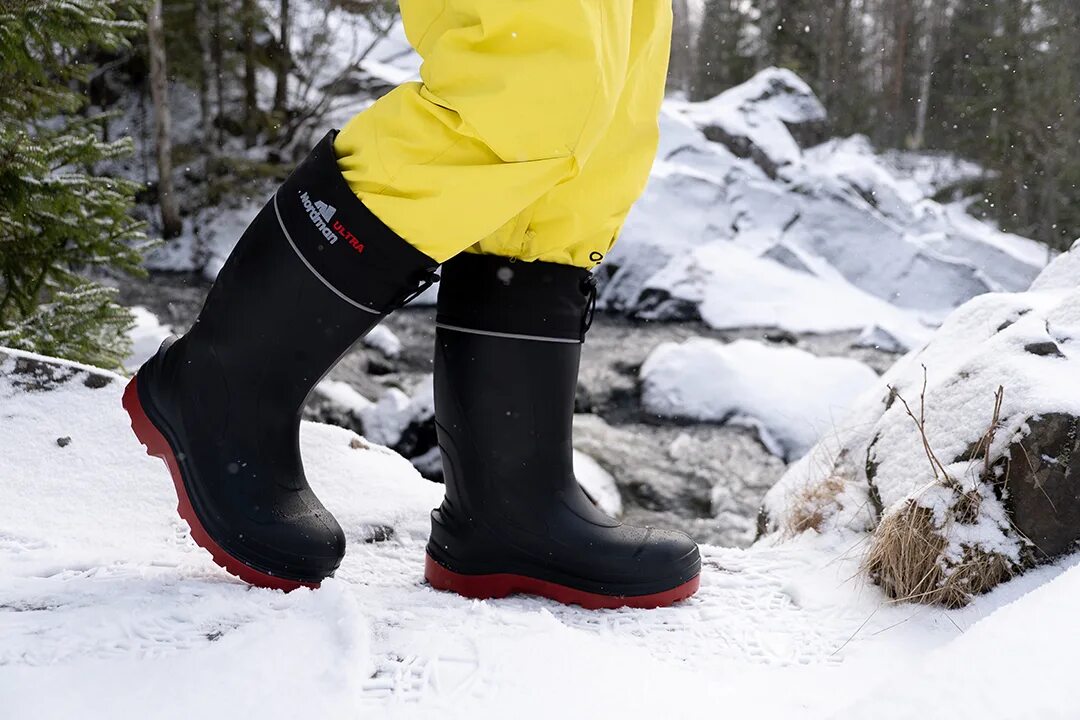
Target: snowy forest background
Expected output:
[992,81]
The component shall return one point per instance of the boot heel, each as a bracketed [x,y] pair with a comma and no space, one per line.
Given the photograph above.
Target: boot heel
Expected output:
[157,446]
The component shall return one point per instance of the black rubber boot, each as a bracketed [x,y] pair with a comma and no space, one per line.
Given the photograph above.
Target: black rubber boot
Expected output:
[313,273]
[514,518]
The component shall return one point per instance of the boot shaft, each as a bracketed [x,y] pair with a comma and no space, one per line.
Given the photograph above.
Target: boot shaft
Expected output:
[508,349]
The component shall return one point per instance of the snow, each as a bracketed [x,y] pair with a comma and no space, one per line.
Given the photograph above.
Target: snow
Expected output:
[1062,273]
[733,288]
[862,227]
[146,337]
[794,396]
[345,396]
[385,420]
[384,340]
[932,172]
[108,611]
[1012,665]
[758,113]
[980,347]
[598,483]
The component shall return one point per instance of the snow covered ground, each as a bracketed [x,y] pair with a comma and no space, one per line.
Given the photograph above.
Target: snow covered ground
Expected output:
[794,397]
[107,610]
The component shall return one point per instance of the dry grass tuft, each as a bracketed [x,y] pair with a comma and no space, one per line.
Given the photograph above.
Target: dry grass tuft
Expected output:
[906,558]
[813,504]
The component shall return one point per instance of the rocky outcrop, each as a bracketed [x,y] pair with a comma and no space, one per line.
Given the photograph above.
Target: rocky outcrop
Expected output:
[747,172]
[971,447]
[32,373]
[1041,484]
[767,119]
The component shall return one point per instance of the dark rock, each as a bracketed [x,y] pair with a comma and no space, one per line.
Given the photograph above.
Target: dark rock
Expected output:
[377,534]
[971,452]
[762,523]
[787,257]
[871,469]
[583,400]
[645,495]
[63,441]
[429,465]
[1012,320]
[743,147]
[41,374]
[657,304]
[96,382]
[417,438]
[1046,348]
[781,337]
[1042,484]
[321,410]
[810,133]
[377,366]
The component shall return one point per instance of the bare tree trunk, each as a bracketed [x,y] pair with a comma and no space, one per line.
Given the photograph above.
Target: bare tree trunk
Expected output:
[679,70]
[918,138]
[251,100]
[281,87]
[217,51]
[159,94]
[904,10]
[202,30]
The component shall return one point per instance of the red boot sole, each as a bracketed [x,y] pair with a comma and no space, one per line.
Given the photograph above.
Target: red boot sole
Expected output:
[485,587]
[157,446]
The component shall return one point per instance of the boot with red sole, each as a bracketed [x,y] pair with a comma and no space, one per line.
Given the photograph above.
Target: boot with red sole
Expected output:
[314,272]
[514,519]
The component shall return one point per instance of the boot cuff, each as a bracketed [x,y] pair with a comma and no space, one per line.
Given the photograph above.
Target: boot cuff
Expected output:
[494,295]
[353,252]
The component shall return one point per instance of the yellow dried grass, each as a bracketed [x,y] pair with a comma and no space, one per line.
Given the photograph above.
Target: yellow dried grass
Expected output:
[907,559]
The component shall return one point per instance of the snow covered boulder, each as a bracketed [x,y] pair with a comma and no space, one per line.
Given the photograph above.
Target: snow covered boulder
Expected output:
[783,288]
[792,397]
[862,229]
[766,119]
[403,422]
[962,464]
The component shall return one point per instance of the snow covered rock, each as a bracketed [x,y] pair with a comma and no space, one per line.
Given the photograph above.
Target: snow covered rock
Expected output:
[729,287]
[839,213]
[960,486]
[406,424]
[794,397]
[384,340]
[400,421]
[1042,478]
[598,484]
[765,119]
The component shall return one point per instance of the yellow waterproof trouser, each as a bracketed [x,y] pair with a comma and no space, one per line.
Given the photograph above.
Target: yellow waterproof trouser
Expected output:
[532,132]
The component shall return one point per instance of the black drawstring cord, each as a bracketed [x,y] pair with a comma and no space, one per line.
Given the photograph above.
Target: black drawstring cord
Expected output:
[430,278]
[588,287]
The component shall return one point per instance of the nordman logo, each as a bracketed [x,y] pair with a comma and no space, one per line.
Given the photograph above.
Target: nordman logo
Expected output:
[322,217]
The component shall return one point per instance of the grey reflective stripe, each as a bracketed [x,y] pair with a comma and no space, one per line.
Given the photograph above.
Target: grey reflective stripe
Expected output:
[512,336]
[313,270]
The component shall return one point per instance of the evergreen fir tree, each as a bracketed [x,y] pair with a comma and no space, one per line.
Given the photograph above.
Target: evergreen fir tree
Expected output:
[721,59]
[58,220]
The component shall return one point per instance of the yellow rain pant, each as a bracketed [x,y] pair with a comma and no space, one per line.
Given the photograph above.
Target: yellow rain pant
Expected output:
[532,132]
